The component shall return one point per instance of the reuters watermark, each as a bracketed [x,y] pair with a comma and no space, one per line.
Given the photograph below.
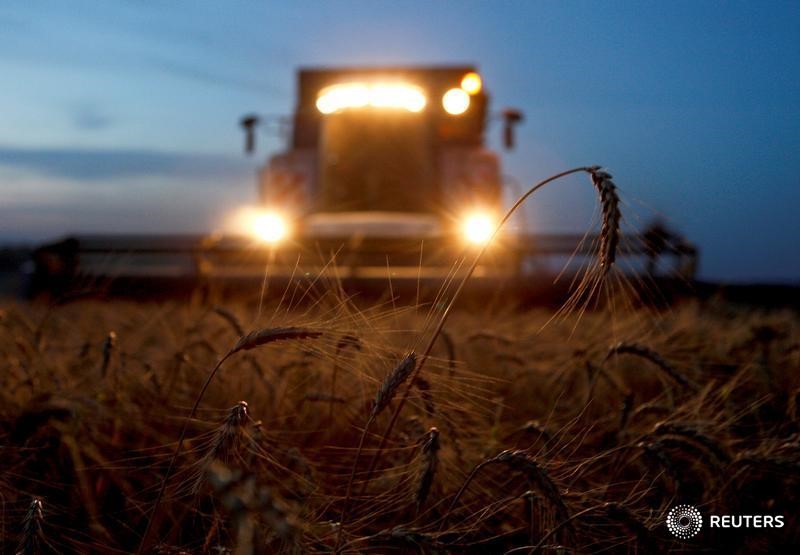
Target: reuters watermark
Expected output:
[686,521]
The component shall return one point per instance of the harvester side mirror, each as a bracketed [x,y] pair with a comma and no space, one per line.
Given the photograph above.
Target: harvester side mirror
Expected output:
[249,123]
[511,117]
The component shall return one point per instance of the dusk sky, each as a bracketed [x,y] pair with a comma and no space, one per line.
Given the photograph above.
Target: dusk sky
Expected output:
[123,116]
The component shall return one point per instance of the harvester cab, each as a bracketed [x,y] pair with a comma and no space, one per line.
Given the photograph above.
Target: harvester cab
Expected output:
[391,157]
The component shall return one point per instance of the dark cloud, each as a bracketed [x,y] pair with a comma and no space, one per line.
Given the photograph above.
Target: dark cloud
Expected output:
[95,164]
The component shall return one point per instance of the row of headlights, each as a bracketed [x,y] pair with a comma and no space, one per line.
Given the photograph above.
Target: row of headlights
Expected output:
[404,96]
[272,228]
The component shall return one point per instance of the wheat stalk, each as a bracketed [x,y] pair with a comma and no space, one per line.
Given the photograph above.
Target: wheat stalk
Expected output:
[521,462]
[347,340]
[655,452]
[108,349]
[693,433]
[611,220]
[384,396]
[639,350]
[424,388]
[404,539]
[252,340]
[430,456]
[623,515]
[230,318]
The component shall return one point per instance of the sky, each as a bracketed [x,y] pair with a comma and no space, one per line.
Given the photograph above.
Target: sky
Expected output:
[122,116]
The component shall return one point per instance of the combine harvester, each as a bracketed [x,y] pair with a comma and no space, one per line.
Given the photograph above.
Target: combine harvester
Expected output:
[386,177]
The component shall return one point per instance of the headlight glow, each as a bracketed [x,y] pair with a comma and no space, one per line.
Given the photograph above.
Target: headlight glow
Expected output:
[471,83]
[269,227]
[478,228]
[336,98]
[455,102]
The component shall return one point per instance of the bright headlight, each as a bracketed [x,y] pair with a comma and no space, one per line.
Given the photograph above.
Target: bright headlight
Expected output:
[403,96]
[471,83]
[455,101]
[478,228]
[270,227]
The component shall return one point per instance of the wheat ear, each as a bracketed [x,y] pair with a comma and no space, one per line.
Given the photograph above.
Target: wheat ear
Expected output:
[32,529]
[430,454]
[609,229]
[226,440]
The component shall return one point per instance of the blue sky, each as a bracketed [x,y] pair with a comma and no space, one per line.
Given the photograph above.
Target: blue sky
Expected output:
[122,115]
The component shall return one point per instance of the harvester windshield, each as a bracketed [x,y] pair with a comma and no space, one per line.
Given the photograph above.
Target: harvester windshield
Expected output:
[376,160]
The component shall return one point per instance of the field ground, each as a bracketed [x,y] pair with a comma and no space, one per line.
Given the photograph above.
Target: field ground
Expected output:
[698,405]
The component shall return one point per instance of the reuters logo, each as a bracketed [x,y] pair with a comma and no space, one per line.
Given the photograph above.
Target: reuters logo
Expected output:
[684,521]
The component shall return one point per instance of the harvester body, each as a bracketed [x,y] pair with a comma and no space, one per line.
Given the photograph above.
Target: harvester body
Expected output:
[386,177]
[384,164]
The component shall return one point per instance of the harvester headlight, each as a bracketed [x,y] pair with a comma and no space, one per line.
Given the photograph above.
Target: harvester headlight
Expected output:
[403,96]
[455,101]
[478,228]
[471,83]
[270,227]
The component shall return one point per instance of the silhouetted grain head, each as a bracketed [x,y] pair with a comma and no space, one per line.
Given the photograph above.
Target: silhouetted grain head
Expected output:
[609,204]
[430,461]
[32,537]
[522,462]
[226,440]
[392,383]
[270,335]
[108,349]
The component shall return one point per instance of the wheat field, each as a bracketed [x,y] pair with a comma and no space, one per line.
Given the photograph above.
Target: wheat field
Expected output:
[521,434]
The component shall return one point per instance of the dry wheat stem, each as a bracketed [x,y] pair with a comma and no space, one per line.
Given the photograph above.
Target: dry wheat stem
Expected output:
[230,318]
[622,514]
[386,393]
[642,351]
[560,525]
[693,433]
[609,256]
[250,341]
[347,340]
[521,461]
[108,348]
